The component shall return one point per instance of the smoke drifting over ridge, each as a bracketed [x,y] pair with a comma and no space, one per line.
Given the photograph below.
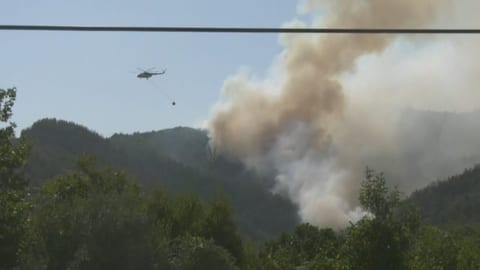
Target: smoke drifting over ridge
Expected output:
[332,109]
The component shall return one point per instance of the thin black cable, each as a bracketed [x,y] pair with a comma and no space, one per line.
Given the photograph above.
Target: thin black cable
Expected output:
[152,82]
[238,29]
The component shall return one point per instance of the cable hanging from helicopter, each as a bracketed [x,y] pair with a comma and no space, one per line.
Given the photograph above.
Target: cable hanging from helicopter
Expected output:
[149,73]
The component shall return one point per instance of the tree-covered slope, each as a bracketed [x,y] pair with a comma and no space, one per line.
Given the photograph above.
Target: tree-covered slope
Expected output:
[56,144]
[177,159]
[453,201]
[185,145]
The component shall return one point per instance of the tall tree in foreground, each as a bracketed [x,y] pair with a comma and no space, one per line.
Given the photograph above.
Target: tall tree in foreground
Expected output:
[381,239]
[221,227]
[92,218]
[13,186]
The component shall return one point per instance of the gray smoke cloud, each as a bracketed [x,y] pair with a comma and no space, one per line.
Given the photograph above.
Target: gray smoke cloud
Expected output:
[335,104]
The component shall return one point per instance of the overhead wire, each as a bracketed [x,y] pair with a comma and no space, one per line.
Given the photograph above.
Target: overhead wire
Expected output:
[252,30]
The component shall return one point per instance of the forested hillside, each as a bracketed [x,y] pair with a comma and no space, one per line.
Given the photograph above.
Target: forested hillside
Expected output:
[91,216]
[180,160]
[453,201]
[177,159]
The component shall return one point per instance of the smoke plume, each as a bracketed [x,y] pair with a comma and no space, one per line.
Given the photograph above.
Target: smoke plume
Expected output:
[337,103]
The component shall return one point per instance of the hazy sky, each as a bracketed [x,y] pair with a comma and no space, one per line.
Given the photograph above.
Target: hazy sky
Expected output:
[89,78]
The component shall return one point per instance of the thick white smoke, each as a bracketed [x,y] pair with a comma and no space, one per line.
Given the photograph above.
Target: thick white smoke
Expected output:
[338,103]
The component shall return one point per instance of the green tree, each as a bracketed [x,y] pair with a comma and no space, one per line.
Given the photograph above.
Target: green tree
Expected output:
[468,256]
[173,217]
[196,253]
[220,226]
[93,219]
[438,249]
[308,247]
[251,259]
[376,198]
[380,240]
[434,249]
[13,185]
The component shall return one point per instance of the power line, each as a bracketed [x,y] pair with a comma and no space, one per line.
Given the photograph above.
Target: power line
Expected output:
[238,29]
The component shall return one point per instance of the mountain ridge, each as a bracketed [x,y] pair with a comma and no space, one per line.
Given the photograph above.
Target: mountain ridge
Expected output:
[179,159]
[176,159]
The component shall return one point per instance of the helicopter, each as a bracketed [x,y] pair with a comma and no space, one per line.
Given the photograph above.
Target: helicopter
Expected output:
[147,74]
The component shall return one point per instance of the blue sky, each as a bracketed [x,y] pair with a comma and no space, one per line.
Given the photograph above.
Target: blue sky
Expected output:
[89,78]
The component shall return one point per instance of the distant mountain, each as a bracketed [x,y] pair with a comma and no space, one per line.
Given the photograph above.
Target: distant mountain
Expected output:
[455,200]
[181,144]
[56,144]
[177,159]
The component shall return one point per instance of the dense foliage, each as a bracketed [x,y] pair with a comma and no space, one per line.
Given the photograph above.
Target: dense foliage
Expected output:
[93,216]
[390,237]
[455,200]
[97,218]
[13,186]
[178,160]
